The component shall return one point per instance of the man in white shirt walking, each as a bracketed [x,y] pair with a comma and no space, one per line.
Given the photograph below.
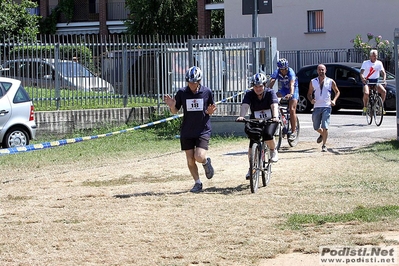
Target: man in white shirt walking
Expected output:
[319,94]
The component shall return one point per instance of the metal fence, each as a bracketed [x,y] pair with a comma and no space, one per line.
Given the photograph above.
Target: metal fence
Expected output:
[73,72]
[300,58]
[119,71]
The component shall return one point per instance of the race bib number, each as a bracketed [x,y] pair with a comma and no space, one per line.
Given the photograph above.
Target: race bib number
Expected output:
[195,105]
[263,114]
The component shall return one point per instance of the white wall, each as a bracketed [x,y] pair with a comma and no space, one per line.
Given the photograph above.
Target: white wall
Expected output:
[343,20]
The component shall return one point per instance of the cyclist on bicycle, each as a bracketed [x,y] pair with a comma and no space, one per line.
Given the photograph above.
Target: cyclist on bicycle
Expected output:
[370,73]
[288,88]
[263,103]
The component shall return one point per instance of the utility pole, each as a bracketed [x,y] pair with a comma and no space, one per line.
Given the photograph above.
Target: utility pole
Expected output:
[396,60]
[255,19]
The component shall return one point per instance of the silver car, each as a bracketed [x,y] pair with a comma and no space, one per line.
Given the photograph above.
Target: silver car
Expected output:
[17,120]
[42,73]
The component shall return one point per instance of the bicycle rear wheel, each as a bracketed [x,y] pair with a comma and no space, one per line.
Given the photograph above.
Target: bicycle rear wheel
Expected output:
[378,111]
[278,135]
[267,167]
[369,112]
[254,161]
[294,142]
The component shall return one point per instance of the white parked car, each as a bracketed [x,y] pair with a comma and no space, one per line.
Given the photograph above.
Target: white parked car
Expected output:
[17,120]
[42,73]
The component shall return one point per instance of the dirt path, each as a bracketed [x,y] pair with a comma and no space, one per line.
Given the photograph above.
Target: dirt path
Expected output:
[138,211]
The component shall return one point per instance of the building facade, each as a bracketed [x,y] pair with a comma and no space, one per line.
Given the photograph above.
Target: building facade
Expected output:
[107,16]
[321,24]
[297,25]
[90,16]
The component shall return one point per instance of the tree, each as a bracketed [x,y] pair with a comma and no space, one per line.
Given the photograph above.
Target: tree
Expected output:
[163,17]
[217,22]
[384,47]
[15,19]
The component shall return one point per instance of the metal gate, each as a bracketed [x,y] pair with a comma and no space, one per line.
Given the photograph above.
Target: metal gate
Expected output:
[227,63]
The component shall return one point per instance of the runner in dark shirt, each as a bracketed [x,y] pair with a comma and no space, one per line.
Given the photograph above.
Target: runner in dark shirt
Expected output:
[198,104]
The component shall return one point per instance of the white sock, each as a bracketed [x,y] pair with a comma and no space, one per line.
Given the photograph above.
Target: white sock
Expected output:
[198,181]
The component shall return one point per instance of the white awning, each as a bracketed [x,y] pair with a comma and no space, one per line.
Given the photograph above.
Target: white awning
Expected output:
[215,6]
[116,27]
[78,28]
[82,28]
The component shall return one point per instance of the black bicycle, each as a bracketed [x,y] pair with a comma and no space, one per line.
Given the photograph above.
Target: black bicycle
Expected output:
[259,159]
[283,130]
[375,106]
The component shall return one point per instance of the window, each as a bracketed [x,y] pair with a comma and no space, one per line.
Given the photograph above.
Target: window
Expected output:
[316,21]
[21,96]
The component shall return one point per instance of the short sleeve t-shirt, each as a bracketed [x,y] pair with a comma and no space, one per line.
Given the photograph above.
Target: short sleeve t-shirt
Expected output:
[195,122]
[372,70]
[260,108]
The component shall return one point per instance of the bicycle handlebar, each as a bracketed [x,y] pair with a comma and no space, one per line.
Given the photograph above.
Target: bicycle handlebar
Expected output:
[257,121]
[375,83]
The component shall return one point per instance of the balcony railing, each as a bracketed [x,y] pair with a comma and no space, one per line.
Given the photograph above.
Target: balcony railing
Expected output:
[115,11]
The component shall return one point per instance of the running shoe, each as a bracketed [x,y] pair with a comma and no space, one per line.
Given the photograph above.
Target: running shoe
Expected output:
[248,176]
[196,188]
[208,168]
[292,136]
[274,156]
[324,148]
[319,139]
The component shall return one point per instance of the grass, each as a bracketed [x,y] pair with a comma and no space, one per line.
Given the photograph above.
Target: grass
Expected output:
[360,213]
[388,150]
[44,100]
[153,141]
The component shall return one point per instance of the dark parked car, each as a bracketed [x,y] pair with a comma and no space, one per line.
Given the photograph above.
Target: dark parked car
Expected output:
[347,77]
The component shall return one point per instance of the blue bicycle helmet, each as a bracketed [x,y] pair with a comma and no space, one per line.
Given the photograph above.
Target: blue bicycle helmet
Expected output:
[194,74]
[282,63]
[258,79]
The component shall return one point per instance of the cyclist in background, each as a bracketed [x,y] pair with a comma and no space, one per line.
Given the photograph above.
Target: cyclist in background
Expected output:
[263,103]
[288,88]
[370,72]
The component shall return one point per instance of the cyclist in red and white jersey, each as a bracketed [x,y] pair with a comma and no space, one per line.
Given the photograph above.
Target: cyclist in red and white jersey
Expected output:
[370,73]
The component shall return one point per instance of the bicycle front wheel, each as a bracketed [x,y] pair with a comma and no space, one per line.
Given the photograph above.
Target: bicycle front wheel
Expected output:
[378,111]
[294,142]
[254,168]
[278,135]
[369,112]
[267,167]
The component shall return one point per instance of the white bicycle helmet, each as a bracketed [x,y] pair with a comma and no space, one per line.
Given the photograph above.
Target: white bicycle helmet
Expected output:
[194,74]
[282,63]
[258,79]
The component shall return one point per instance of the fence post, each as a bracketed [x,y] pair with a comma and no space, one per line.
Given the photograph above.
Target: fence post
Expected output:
[57,76]
[298,60]
[396,55]
[124,75]
[158,78]
[190,53]
[348,56]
